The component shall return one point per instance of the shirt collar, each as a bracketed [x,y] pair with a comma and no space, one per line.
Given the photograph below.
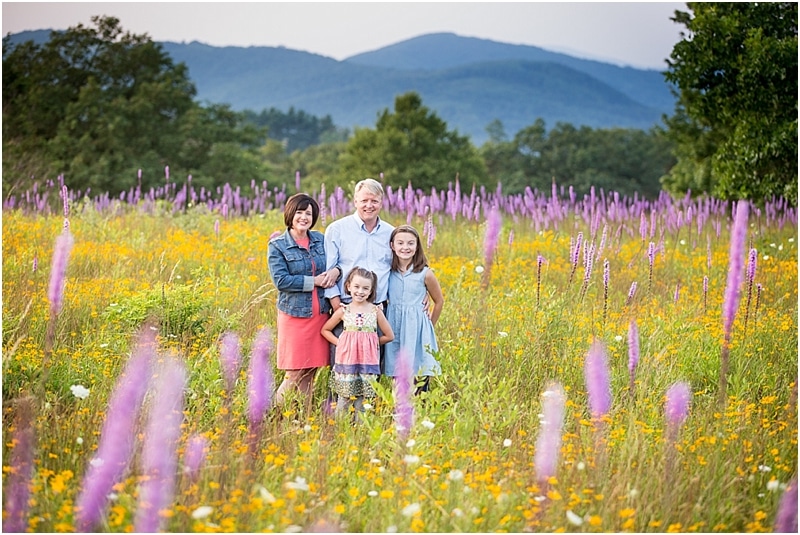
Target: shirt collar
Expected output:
[361,223]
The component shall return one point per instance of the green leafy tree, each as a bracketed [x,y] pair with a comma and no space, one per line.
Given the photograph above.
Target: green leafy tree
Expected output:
[412,145]
[627,161]
[296,129]
[97,104]
[735,126]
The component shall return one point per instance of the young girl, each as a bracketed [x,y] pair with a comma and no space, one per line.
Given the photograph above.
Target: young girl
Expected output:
[357,363]
[410,281]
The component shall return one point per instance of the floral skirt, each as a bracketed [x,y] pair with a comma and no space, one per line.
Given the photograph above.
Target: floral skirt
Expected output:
[354,385]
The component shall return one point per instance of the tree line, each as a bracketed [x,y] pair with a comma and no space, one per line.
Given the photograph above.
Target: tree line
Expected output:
[110,110]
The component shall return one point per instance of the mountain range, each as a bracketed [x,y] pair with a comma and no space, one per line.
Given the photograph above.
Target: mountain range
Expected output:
[467,82]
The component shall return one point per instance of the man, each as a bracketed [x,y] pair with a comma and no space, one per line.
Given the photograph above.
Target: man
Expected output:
[360,239]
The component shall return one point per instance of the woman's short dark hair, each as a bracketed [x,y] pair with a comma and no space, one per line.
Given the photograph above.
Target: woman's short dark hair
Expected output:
[300,201]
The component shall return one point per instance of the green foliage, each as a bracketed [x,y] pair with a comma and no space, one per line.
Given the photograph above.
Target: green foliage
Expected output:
[735,124]
[98,104]
[412,145]
[627,161]
[181,310]
[296,129]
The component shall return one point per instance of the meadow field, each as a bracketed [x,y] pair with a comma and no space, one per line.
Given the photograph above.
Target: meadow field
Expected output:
[582,343]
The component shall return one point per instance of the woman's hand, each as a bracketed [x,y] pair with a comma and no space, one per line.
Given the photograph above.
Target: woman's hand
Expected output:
[327,279]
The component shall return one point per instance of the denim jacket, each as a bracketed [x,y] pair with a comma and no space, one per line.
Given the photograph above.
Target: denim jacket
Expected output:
[290,267]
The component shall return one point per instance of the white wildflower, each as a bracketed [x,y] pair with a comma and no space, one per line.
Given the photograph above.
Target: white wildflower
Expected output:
[411,509]
[372,493]
[427,424]
[411,459]
[411,443]
[574,519]
[265,494]
[502,334]
[478,269]
[202,512]
[507,443]
[455,475]
[299,483]
[773,485]
[79,391]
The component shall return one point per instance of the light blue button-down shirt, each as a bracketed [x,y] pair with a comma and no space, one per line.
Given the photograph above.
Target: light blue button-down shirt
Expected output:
[349,244]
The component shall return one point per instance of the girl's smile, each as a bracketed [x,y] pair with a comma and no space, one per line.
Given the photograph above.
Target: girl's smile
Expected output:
[404,245]
[360,288]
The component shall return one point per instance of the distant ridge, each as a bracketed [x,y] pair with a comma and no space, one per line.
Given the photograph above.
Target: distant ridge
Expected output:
[468,82]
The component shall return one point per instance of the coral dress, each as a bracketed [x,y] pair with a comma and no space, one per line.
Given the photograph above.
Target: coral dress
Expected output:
[413,330]
[357,362]
[300,344]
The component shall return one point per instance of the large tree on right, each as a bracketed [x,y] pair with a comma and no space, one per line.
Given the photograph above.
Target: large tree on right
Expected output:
[735,123]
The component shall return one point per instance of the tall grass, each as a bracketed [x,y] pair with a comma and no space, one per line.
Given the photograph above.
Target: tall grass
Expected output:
[467,463]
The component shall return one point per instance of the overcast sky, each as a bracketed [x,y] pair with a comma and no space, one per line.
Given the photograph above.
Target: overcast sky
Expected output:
[639,34]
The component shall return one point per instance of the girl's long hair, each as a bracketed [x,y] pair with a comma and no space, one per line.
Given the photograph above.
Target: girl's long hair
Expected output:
[419,260]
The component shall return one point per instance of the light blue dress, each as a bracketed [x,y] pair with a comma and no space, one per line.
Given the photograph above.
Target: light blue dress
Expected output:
[413,330]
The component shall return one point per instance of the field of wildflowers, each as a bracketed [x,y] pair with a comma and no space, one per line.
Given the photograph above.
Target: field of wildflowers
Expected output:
[609,364]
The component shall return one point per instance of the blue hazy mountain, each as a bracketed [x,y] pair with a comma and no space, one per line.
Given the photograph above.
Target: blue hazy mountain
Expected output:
[467,82]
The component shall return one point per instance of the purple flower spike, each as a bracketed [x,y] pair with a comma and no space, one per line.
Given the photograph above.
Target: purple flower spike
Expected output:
[751,266]
[631,292]
[58,271]
[786,519]
[230,357]
[195,455]
[493,224]
[17,489]
[159,458]
[738,235]
[633,351]
[117,437]
[548,443]
[260,380]
[404,410]
[679,397]
[598,382]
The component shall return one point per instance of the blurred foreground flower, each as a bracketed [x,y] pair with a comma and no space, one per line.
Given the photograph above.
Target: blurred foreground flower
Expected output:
[548,443]
[259,387]
[404,410]
[598,382]
[195,455]
[117,437]
[159,457]
[17,490]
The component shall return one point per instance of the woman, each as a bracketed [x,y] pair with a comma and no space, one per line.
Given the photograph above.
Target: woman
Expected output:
[296,266]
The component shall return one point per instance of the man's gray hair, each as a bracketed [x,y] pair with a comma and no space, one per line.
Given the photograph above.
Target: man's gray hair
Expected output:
[371,185]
